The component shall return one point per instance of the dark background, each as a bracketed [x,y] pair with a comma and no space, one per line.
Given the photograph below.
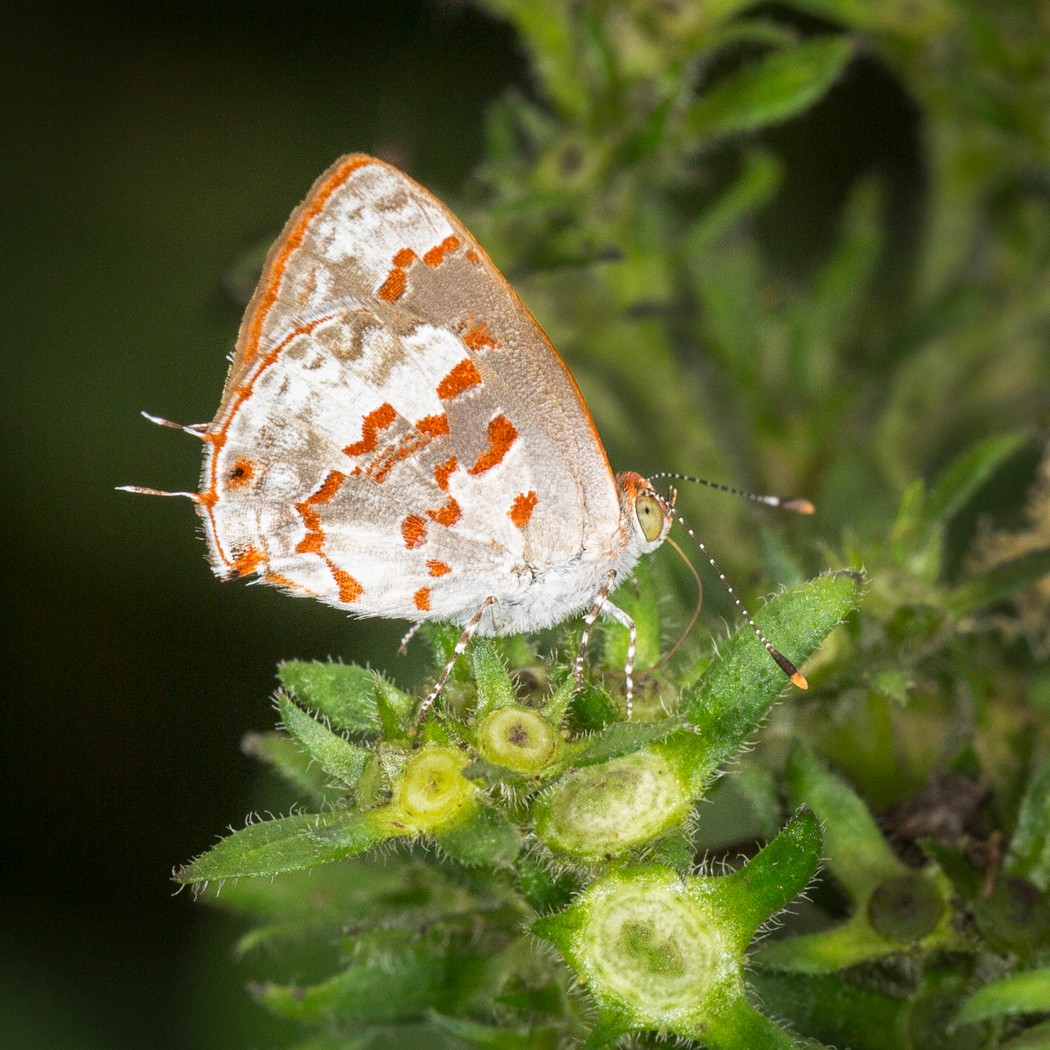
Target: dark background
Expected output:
[147,151]
[147,148]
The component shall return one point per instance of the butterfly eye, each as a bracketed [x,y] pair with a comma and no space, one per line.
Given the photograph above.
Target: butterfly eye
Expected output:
[650,516]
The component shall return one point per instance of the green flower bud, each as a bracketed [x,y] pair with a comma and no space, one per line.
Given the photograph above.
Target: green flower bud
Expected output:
[517,738]
[606,809]
[651,948]
[431,791]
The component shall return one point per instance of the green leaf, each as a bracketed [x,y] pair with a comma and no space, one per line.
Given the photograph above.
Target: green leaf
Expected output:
[360,889]
[743,682]
[1035,1038]
[1019,993]
[485,837]
[495,688]
[827,319]
[343,693]
[554,49]
[773,878]
[998,582]
[754,188]
[829,951]
[336,756]
[395,710]
[555,708]
[403,988]
[772,90]
[764,33]
[964,477]
[831,1009]
[292,763]
[620,738]
[1029,854]
[904,19]
[857,853]
[729,282]
[593,707]
[491,1037]
[287,844]
[741,1027]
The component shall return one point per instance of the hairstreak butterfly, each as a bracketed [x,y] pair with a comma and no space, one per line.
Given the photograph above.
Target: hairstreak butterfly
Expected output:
[398,438]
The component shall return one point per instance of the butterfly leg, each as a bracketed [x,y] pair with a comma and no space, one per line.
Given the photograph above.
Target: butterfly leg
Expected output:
[457,652]
[409,635]
[614,612]
[603,605]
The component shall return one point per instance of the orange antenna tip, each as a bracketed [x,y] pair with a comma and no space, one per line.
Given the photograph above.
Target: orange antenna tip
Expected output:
[800,680]
[799,506]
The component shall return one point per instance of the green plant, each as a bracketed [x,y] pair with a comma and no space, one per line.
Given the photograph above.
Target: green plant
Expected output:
[525,869]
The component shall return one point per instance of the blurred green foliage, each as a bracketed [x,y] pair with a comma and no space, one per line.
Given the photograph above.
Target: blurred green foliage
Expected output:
[903,384]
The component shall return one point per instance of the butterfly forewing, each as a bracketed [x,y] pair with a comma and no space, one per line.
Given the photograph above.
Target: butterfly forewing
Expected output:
[396,434]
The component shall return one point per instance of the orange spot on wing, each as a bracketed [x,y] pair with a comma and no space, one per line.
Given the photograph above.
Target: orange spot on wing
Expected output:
[371,424]
[282,581]
[433,426]
[443,471]
[422,599]
[329,487]
[313,541]
[396,281]
[438,568]
[447,515]
[393,287]
[413,531]
[502,434]
[462,377]
[436,255]
[473,256]
[479,336]
[349,589]
[246,563]
[240,474]
[425,430]
[521,509]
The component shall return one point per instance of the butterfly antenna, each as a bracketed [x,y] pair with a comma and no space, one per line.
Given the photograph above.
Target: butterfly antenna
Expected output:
[795,503]
[780,659]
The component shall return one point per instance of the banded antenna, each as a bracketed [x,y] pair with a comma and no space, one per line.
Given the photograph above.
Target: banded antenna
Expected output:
[795,503]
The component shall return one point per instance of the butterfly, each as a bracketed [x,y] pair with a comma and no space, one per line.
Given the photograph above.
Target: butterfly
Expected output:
[398,438]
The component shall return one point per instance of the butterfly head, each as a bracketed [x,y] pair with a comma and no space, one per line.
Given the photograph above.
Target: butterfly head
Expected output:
[646,514]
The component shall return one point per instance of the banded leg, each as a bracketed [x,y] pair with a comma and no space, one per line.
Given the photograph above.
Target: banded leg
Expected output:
[457,652]
[614,612]
[409,635]
[603,605]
